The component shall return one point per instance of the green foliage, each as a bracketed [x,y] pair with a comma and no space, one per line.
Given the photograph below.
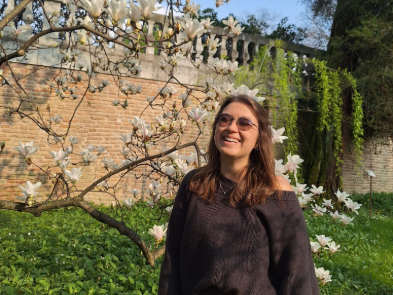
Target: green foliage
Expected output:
[365,260]
[288,32]
[330,86]
[382,203]
[280,79]
[286,82]
[63,252]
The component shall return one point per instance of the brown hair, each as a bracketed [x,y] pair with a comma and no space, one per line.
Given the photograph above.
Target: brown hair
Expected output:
[259,179]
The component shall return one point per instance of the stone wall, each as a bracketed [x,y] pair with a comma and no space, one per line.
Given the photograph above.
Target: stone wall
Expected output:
[377,157]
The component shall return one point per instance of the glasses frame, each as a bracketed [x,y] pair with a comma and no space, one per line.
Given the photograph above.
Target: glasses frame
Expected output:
[231,119]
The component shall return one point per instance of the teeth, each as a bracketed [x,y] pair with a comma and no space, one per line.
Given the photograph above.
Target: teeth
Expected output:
[230,139]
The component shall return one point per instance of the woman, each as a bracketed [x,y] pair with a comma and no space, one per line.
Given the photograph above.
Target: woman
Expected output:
[236,227]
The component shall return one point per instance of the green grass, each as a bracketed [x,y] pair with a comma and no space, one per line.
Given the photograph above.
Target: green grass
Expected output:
[68,252]
[364,264]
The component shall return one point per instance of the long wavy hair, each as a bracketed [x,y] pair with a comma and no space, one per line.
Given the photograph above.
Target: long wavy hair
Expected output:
[259,180]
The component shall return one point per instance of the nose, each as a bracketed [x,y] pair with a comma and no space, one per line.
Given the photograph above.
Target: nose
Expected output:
[232,126]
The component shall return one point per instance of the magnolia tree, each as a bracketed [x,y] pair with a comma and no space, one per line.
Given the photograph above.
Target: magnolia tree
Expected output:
[120,23]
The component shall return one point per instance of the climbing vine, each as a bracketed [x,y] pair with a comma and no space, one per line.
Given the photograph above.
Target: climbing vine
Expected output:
[277,75]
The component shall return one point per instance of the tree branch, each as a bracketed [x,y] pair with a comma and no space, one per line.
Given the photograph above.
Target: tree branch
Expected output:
[25,47]
[9,17]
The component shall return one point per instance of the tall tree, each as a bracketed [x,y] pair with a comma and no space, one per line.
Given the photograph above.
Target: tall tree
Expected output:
[361,41]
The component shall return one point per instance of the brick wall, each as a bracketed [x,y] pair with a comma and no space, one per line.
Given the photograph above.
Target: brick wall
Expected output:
[96,122]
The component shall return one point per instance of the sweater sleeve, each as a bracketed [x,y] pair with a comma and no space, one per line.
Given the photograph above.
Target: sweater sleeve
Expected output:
[291,269]
[169,282]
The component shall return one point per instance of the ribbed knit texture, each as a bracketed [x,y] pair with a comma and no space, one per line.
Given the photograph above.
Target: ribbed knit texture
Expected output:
[216,249]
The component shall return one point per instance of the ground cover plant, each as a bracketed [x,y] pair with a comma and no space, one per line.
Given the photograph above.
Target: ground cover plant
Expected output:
[64,252]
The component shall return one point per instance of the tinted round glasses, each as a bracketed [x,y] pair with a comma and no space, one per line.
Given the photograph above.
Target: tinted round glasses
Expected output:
[243,124]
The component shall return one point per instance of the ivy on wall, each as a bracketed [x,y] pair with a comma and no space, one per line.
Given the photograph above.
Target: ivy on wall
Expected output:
[277,73]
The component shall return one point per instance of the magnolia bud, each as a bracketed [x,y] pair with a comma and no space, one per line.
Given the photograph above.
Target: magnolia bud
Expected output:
[159,34]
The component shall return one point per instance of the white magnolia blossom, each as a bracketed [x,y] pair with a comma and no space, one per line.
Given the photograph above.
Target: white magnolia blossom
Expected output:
[107,162]
[128,202]
[134,192]
[333,248]
[145,8]
[83,39]
[302,202]
[125,151]
[279,167]
[293,162]
[126,138]
[30,189]
[341,196]
[237,30]
[327,203]
[87,156]
[158,232]
[318,210]
[154,186]
[59,156]
[170,170]
[335,215]
[315,246]
[299,188]
[307,197]
[73,140]
[323,240]
[56,119]
[94,7]
[169,209]
[214,44]
[197,114]
[323,275]
[63,164]
[352,206]
[230,23]
[145,132]
[277,134]
[86,21]
[243,89]
[101,149]
[207,23]
[345,219]
[226,67]
[192,28]
[116,9]
[74,175]
[316,190]
[105,186]
[27,149]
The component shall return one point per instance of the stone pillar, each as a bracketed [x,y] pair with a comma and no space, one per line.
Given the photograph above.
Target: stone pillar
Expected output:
[246,55]
[199,46]
[223,48]
[150,37]
[235,53]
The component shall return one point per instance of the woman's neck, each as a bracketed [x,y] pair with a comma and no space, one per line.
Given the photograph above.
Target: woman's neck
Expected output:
[233,170]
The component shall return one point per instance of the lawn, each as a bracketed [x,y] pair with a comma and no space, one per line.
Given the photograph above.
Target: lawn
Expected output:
[67,252]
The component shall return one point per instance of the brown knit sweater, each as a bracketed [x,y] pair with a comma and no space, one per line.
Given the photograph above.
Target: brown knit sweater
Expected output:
[216,249]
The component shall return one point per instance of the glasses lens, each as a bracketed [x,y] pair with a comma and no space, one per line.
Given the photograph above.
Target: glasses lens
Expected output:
[244,124]
[224,120]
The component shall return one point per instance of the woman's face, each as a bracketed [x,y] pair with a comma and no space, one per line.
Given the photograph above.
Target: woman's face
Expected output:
[232,142]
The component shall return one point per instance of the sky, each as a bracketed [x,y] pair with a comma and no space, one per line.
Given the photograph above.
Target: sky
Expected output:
[291,8]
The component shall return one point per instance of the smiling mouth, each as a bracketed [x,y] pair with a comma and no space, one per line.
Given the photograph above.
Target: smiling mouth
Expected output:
[230,140]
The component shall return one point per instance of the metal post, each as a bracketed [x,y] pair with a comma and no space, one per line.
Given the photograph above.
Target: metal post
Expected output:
[371,196]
